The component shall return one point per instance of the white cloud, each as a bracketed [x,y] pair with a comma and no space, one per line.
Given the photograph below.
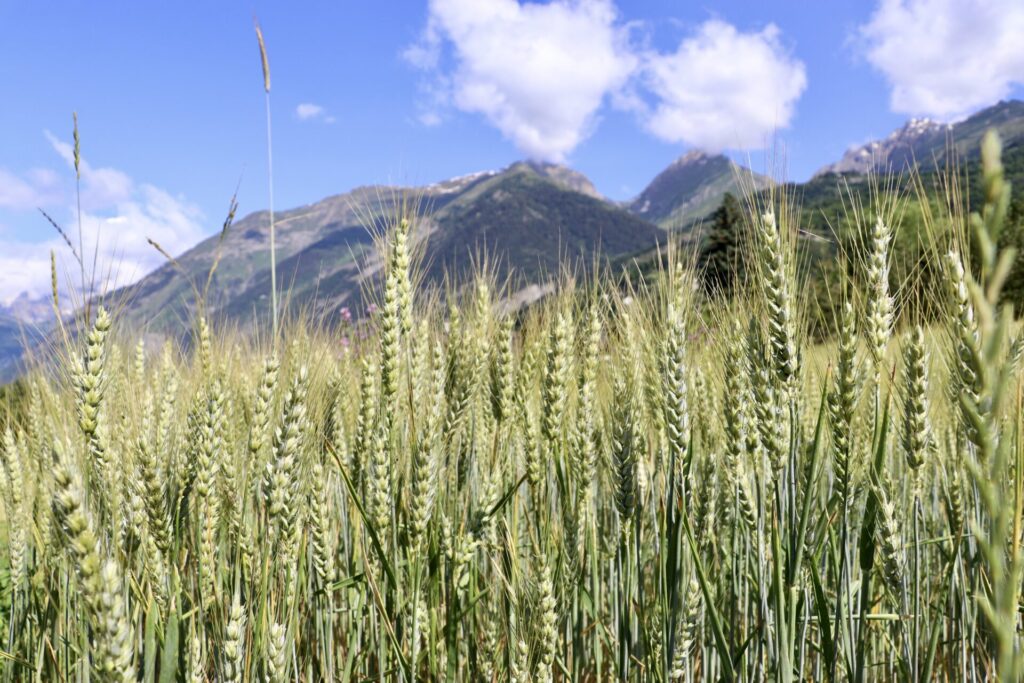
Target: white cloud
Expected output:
[123,230]
[537,72]
[430,118]
[119,215]
[307,111]
[40,187]
[945,58]
[101,187]
[540,74]
[723,88]
[24,268]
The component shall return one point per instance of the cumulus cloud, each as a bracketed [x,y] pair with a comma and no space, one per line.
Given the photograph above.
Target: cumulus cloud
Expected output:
[39,187]
[123,230]
[945,58]
[537,72]
[119,214]
[540,73]
[307,111]
[23,268]
[101,187]
[723,88]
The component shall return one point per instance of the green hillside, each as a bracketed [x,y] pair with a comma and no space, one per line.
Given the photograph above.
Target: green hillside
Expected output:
[527,219]
[828,228]
[690,188]
[532,226]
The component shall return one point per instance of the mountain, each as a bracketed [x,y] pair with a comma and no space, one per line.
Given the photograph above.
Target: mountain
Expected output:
[533,224]
[10,346]
[15,337]
[928,143]
[526,221]
[826,223]
[560,175]
[29,309]
[23,322]
[690,188]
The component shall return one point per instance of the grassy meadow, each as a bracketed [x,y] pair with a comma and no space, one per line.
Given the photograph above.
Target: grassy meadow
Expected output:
[632,481]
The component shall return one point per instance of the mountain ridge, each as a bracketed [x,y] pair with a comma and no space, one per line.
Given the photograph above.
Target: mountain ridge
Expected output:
[690,188]
[525,220]
[927,143]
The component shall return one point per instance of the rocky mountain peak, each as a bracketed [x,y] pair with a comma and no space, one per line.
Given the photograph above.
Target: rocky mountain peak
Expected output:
[897,148]
[563,175]
[694,157]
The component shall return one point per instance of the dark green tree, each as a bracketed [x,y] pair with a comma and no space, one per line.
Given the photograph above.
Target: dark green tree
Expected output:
[722,254]
[1013,236]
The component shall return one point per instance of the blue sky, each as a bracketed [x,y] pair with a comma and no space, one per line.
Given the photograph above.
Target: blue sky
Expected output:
[170,99]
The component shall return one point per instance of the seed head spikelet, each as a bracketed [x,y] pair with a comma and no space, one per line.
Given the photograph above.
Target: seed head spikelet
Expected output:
[842,399]
[153,489]
[879,301]
[234,642]
[91,378]
[378,484]
[390,351]
[18,522]
[969,371]
[625,446]
[399,270]
[502,383]
[547,626]
[775,285]
[735,418]
[321,536]
[767,390]
[584,428]
[366,419]
[556,380]
[677,418]
[893,561]
[916,427]
[99,579]
[423,486]
[281,480]
[686,631]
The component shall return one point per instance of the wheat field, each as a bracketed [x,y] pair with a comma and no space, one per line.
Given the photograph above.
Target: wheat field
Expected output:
[627,482]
